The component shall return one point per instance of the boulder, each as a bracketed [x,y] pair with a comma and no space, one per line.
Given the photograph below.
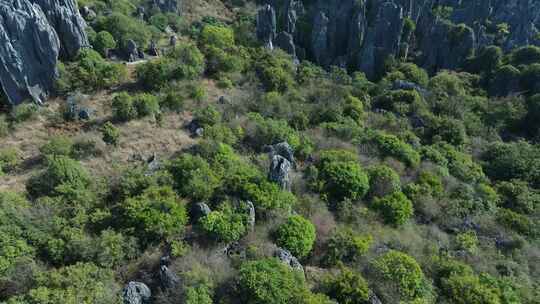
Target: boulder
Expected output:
[136,293]
[279,172]
[200,210]
[287,258]
[283,149]
[167,278]
[131,51]
[285,42]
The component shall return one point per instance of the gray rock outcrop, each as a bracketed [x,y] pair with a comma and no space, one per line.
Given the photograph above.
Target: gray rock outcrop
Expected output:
[167,6]
[363,35]
[70,26]
[279,172]
[167,278]
[251,215]
[287,258]
[33,34]
[136,293]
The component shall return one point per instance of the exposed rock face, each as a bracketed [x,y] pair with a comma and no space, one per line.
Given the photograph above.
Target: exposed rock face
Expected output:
[286,257]
[251,215]
[201,210]
[167,278]
[136,293]
[33,33]
[279,172]
[70,26]
[29,48]
[266,25]
[363,34]
[167,6]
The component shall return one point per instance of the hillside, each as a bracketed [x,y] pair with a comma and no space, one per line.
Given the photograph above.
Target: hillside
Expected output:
[269,152]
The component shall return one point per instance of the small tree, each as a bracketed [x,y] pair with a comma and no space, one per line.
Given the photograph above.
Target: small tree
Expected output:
[348,287]
[104,42]
[123,107]
[395,208]
[383,180]
[297,235]
[110,134]
[224,224]
[346,246]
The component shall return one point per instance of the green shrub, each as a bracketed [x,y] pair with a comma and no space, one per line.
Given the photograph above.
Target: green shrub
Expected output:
[402,101]
[517,196]
[530,79]
[297,235]
[348,287]
[275,69]
[414,73]
[392,146]
[525,55]
[269,281]
[110,134]
[24,112]
[155,74]
[57,146]
[505,80]
[383,180]
[124,28]
[225,225]
[10,159]
[467,241]
[172,100]
[193,177]
[123,107]
[402,272]
[90,72]
[395,208]
[155,214]
[506,161]
[79,283]
[467,289]
[261,132]
[198,295]
[207,116]
[461,165]
[60,171]
[515,221]
[268,197]
[103,42]
[217,36]
[4,126]
[146,104]
[346,246]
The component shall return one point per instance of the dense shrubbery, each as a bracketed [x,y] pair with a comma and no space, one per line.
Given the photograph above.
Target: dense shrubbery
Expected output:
[296,235]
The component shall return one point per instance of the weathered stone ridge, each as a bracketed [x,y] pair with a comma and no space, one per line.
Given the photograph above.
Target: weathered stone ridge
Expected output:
[363,34]
[33,34]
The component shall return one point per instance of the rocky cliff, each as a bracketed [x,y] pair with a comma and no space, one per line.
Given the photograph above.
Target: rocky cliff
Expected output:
[362,34]
[33,34]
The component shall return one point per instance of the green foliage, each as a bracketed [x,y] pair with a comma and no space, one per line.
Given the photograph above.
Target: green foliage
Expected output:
[341,177]
[517,222]
[4,126]
[269,281]
[383,180]
[467,289]
[103,42]
[124,28]
[207,116]
[267,197]
[517,196]
[525,55]
[414,73]
[506,161]
[146,104]
[194,177]
[401,101]
[185,61]
[395,208]
[348,287]
[530,79]
[10,159]
[155,214]
[110,134]
[297,235]
[79,283]
[392,146]
[57,146]
[402,272]
[24,112]
[60,171]
[225,224]
[262,132]
[198,295]
[467,241]
[90,72]
[123,107]
[346,246]
[275,70]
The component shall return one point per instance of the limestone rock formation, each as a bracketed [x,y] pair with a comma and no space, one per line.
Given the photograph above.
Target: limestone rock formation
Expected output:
[279,172]
[33,34]
[363,34]
[29,48]
[286,257]
[136,293]
[167,6]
